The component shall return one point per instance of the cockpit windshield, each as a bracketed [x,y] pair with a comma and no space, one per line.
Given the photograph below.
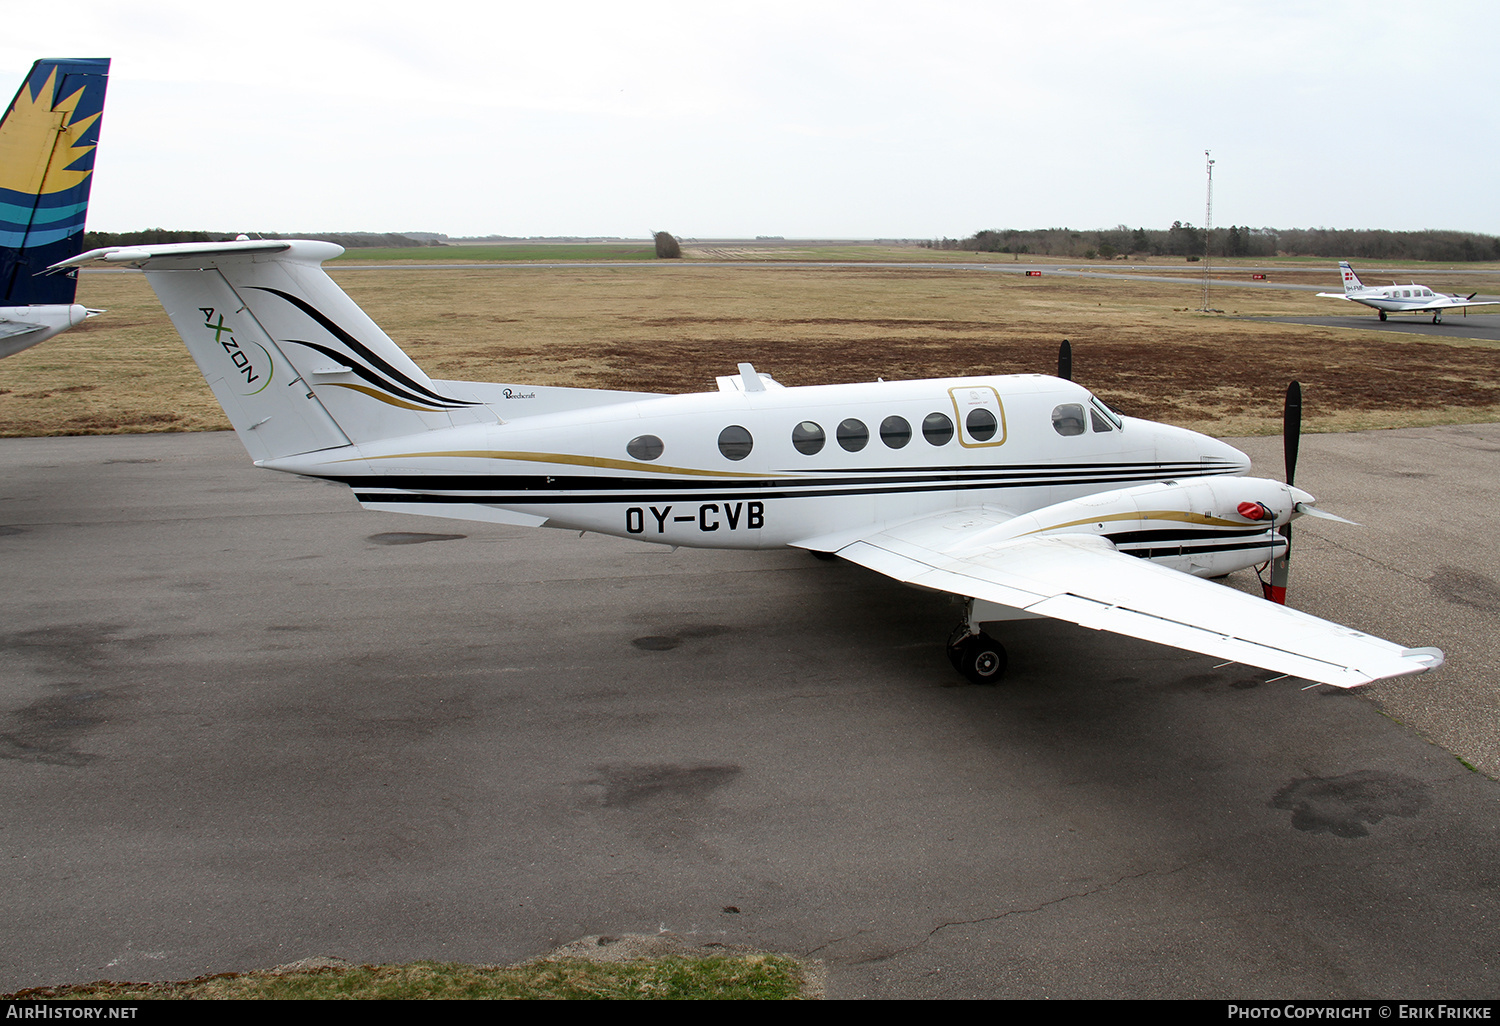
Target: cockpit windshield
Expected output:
[1109,415]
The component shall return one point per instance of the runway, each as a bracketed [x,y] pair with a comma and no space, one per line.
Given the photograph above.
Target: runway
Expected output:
[1480,327]
[245,722]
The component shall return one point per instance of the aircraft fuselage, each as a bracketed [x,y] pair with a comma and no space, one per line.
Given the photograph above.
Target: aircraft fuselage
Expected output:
[764,469]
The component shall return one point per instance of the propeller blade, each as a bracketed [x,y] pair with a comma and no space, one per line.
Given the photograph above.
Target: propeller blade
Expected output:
[1291,437]
[1065,361]
[1291,429]
[1313,511]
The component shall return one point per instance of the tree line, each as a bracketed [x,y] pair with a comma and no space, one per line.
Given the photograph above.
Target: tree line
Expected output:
[158,236]
[1186,241]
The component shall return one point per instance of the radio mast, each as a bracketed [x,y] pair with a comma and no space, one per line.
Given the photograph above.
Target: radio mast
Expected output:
[1208,229]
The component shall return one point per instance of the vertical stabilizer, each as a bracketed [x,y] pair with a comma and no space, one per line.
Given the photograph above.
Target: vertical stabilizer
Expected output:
[297,366]
[48,137]
[1351,280]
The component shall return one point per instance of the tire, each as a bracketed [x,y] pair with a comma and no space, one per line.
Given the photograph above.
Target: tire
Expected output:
[980,658]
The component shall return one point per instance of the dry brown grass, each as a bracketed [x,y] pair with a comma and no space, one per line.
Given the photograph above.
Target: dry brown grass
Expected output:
[1141,346]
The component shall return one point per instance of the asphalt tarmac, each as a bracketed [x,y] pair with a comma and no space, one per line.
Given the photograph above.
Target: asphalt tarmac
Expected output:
[1481,327]
[245,722]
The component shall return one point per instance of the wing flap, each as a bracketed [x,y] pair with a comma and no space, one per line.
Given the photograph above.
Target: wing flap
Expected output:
[1083,579]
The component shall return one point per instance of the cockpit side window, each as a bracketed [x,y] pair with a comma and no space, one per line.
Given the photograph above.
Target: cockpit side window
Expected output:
[1067,419]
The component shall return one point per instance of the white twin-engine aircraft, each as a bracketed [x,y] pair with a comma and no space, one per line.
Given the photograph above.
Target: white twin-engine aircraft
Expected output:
[1024,494]
[1393,298]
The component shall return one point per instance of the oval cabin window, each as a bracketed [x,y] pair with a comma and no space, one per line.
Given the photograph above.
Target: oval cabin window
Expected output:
[895,432]
[735,442]
[808,438]
[981,425]
[644,447]
[937,428]
[853,435]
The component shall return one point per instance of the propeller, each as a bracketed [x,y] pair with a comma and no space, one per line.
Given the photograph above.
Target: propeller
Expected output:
[1291,438]
[1065,361]
[1291,429]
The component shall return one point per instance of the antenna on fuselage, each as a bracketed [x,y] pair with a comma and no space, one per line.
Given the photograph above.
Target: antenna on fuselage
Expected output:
[1065,361]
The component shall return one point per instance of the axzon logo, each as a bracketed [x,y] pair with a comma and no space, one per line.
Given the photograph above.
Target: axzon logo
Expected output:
[253,365]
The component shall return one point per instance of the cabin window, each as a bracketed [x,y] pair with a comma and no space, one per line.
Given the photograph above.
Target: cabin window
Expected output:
[937,428]
[895,432]
[808,438]
[1067,419]
[981,424]
[853,435]
[644,447]
[735,442]
[1100,424]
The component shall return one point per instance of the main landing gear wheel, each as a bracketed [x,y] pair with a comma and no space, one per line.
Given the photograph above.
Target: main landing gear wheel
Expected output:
[1382,314]
[978,657]
[1437,318]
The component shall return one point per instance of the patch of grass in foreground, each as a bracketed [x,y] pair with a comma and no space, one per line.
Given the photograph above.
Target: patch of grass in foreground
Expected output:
[674,977]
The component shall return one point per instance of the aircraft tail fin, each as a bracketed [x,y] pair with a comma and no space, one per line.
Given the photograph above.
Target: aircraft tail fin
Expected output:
[296,364]
[1351,280]
[48,137]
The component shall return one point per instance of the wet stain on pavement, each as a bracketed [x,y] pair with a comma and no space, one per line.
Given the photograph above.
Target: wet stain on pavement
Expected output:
[664,783]
[47,730]
[1465,588]
[1347,806]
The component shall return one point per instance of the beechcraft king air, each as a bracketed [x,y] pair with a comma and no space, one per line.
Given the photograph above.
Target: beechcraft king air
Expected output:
[47,142]
[1393,298]
[1024,494]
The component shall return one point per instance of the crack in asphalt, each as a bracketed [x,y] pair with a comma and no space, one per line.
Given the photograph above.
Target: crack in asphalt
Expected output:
[988,919]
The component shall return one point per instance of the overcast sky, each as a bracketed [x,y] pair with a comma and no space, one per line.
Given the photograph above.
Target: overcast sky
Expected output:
[804,119]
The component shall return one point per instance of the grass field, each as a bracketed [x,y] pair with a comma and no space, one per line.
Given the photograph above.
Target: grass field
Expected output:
[731,977]
[1144,347]
[505,252]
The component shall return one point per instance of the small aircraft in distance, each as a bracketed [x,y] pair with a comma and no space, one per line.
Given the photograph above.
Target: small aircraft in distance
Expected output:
[1393,298]
[48,137]
[1024,494]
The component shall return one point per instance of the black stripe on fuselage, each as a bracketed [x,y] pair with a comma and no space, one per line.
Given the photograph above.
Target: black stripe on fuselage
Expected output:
[1062,473]
[582,490]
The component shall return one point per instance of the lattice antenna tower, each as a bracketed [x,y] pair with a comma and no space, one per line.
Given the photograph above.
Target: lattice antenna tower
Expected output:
[1208,229]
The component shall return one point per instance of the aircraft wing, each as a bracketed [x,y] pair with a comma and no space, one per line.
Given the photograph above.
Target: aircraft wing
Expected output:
[1450,302]
[1083,579]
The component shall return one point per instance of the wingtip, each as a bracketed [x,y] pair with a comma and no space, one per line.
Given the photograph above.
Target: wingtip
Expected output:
[1426,658]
